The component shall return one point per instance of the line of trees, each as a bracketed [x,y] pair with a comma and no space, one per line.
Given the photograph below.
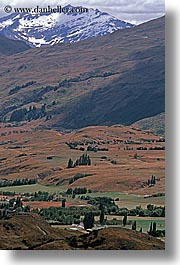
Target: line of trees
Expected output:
[84,160]
[154,232]
[78,176]
[7,193]
[67,215]
[151,181]
[17,182]
[17,88]
[75,191]
[40,196]
[111,208]
[96,149]
[33,113]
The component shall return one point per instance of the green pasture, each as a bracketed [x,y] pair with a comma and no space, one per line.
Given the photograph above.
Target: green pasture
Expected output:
[32,188]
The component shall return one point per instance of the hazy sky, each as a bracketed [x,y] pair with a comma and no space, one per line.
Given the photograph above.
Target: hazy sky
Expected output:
[134,11]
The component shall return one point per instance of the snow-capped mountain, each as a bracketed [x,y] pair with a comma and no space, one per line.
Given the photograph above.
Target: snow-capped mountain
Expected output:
[51,28]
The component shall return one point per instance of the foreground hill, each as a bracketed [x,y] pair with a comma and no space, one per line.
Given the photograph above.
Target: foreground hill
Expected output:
[32,232]
[117,78]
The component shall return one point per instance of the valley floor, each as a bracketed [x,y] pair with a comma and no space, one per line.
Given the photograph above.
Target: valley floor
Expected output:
[127,170]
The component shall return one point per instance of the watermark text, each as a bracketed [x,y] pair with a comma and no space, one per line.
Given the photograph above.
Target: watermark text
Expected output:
[48,9]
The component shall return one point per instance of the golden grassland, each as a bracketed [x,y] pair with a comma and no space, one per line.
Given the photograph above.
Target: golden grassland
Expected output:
[26,157]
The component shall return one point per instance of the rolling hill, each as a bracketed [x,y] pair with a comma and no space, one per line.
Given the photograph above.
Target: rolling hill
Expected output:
[31,232]
[117,78]
[69,103]
[155,123]
[123,158]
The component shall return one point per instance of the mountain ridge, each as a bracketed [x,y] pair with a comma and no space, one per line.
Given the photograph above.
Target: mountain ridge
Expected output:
[47,29]
[117,78]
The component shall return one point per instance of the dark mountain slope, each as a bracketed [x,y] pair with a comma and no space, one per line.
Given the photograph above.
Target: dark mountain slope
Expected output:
[9,47]
[117,78]
[136,94]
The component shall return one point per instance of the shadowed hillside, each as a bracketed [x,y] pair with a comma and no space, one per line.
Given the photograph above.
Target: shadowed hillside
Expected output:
[9,47]
[118,78]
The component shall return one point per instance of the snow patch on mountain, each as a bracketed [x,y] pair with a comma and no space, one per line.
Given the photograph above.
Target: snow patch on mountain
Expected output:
[47,29]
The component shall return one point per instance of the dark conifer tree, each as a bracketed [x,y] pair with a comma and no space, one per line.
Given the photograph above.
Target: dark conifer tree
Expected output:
[88,220]
[154,227]
[101,218]
[63,203]
[134,226]
[151,228]
[124,220]
[70,163]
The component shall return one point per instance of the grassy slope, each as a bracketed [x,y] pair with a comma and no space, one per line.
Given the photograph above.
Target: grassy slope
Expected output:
[155,123]
[128,175]
[32,188]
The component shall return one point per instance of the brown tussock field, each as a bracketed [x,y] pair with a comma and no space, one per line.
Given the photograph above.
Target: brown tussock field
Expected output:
[26,156]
